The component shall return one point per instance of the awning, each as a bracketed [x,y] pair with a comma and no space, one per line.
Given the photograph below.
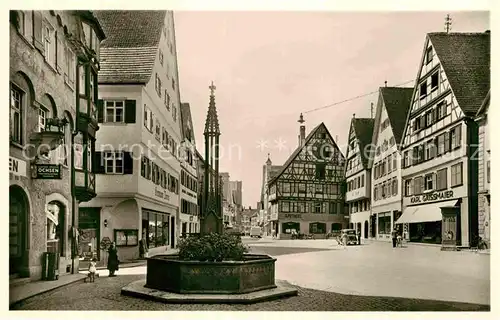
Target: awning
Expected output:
[425,213]
[145,205]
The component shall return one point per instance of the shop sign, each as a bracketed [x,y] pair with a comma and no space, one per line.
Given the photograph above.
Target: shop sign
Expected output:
[162,194]
[292,216]
[48,171]
[17,167]
[432,197]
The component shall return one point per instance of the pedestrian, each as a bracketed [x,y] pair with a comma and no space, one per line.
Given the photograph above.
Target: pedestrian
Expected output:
[394,236]
[143,247]
[113,261]
[344,240]
[92,269]
[358,237]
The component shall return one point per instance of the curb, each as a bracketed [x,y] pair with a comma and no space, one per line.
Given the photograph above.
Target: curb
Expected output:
[77,279]
[124,266]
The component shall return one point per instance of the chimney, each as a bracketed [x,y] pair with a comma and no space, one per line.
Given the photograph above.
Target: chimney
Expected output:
[302,135]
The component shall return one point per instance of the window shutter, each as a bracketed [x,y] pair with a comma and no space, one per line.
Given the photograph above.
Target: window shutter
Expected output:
[38,31]
[130,111]
[98,165]
[100,111]
[128,163]
[60,52]
[447,141]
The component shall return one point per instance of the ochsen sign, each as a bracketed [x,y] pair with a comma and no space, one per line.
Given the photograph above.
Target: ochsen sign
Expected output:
[48,171]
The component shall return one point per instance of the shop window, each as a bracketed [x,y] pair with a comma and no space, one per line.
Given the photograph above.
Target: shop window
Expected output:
[16,107]
[384,223]
[287,227]
[441,179]
[456,175]
[155,228]
[429,182]
[317,228]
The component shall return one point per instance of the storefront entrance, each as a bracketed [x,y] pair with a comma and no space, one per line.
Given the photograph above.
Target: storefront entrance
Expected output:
[89,228]
[18,213]
[426,232]
[366,230]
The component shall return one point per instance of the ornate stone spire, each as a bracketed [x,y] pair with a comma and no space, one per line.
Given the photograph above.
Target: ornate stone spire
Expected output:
[212,122]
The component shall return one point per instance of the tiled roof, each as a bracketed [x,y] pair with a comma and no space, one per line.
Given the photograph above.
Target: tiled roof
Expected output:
[465,58]
[129,51]
[397,101]
[126,65]
[363,129]
[485,105]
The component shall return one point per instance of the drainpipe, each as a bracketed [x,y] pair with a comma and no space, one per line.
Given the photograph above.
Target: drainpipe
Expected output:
[72,198]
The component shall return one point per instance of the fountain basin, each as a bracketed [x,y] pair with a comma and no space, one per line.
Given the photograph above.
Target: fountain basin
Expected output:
[169,273]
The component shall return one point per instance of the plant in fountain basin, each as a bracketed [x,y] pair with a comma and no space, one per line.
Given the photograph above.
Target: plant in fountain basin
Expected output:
[212,247]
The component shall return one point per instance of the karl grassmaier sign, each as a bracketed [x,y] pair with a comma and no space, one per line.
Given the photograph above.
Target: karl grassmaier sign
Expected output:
[48,171]
[17,167]
[432,196]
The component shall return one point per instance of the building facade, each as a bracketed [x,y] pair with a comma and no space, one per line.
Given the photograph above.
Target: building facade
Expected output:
[358,175]
[54,60]
[484,172]
[269,171]
[137,158]
[306,194]
[440,172]
[392,109]
[188,209]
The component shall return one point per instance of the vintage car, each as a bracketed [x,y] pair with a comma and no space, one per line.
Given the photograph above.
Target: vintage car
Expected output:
[351,236]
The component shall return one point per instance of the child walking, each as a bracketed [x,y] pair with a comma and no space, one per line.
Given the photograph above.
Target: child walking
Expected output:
[92,269]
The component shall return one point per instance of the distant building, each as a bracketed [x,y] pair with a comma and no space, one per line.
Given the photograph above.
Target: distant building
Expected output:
[188,208]
[484,171]
[440,171]
[390,116]
[358,174]
[306,194]
[269,171]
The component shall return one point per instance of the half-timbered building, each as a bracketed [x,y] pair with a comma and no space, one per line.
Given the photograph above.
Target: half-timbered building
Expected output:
[440,167]
[390,116]
[357,174]
[306,193]
[484,171]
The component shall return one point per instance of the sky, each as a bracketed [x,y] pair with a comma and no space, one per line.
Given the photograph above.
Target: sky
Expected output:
[269,67]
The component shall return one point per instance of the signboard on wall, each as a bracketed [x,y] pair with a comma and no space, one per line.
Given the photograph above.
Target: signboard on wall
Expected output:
[17,167]
[47,171]
[433,196]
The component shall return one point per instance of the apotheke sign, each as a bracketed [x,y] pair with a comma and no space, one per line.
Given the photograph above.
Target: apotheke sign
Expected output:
[432,196]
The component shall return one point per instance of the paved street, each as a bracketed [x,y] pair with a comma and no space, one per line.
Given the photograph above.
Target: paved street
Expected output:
[366,278]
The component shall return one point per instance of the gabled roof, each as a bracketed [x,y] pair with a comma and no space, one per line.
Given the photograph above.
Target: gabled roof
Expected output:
[363,130]
[485,105]
[465,58]
[397,101]
[299,149]
[128,53]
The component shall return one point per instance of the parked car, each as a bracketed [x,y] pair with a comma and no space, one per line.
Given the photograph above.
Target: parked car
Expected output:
[256,232]
[351,236]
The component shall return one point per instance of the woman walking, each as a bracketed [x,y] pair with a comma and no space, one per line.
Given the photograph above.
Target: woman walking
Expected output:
[112,260]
